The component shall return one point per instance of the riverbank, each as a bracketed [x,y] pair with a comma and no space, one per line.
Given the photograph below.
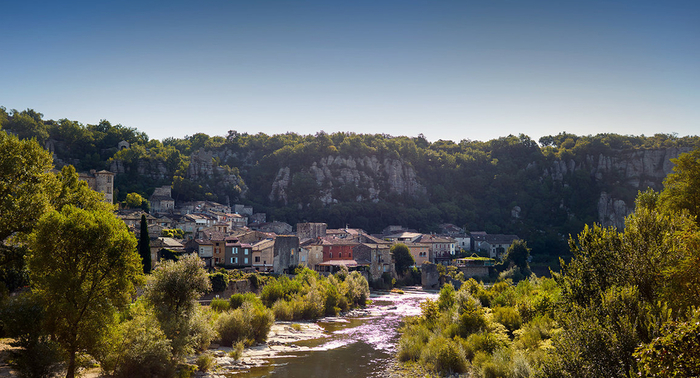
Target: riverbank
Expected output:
[361,343]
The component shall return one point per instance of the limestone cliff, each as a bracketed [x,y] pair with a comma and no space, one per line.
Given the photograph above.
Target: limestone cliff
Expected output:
[371,177]
[626,170]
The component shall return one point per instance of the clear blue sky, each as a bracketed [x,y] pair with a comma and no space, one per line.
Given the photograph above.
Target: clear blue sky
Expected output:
[448,69]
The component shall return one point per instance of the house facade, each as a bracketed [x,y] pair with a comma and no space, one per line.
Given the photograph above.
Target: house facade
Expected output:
[237,254]
[420,252]
[263,253]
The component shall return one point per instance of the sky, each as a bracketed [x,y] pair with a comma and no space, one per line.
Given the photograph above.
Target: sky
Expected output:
[454,70]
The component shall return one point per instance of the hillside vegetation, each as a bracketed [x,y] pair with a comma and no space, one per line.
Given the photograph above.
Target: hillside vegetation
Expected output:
[542,190]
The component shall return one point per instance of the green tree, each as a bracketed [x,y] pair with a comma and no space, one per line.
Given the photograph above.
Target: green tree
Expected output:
[518,255]
[173,289]
[676,353]
[682,187]
[145,245]
[133,201]
[402,258]
[26,188]
[84,265]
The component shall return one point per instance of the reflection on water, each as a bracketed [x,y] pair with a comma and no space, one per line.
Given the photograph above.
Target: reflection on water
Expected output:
[358,347]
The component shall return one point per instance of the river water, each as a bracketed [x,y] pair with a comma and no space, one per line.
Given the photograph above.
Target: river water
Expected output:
[361,346]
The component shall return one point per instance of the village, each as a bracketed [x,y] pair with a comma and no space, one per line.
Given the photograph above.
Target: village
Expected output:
[235,237]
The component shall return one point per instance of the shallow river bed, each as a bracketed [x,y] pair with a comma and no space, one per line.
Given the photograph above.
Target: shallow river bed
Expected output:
[362,344]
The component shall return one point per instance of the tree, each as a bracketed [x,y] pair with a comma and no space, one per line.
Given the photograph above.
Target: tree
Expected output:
[173,289]
[133,201]
[145,245]
[518,255]
[402,258]
[84,265]
[682,187]
[25,191]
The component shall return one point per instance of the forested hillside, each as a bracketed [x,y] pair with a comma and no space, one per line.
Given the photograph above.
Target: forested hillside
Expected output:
[540,190]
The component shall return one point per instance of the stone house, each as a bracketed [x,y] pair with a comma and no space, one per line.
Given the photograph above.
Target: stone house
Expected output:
[285,253]
[309,230]
[419,251]
[161,200]
[279,228]
[494,244]
[312,249]
[100,181]
[377,258]
[442,249]
[263,255]
[238,255]
[475,267]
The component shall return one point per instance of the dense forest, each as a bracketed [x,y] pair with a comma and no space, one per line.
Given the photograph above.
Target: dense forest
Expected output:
[542,190]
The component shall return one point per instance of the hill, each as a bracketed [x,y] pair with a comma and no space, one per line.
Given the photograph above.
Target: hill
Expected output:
[540,191]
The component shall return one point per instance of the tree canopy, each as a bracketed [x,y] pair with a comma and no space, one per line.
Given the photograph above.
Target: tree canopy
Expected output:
[84,265]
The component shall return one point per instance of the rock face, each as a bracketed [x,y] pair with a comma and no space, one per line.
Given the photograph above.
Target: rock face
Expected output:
[634,170]
[204,166]
[152,169]
[612,212]
[371,176]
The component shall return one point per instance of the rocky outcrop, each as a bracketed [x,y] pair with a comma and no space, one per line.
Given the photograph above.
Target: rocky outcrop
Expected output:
[204,165]
[153,169]
[612,212]
[373,176]
[430,277]
[636,170]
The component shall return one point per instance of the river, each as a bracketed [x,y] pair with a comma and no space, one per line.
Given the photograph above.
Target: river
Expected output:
[360,346]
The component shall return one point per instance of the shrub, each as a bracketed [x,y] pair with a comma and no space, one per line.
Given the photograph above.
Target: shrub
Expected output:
[486,342]
[508,316]
[444,356]
[283,310]
[237,300]
[205,361]
[219,281]
[219,305]
[447,297]
[250,323]
[236,350]
[38,356]
[139,348]
[357,289]
[201,330]
[412,342]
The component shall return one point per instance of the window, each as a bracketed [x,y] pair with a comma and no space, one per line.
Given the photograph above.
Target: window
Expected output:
[340,255]
[245,260]
[331,254]
[257,259]
[234,260]
[245,251]
[235,249]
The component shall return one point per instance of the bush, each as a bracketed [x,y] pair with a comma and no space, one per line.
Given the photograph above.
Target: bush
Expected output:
[283,310]
[219,281]
[357,289]
[38,355]
[508,316]
[444,356]
[237,300]
[447,297]
[201,331]
[412,342]
[205,361]
[236,350]
[250,323]
[219,305]
[139,348]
